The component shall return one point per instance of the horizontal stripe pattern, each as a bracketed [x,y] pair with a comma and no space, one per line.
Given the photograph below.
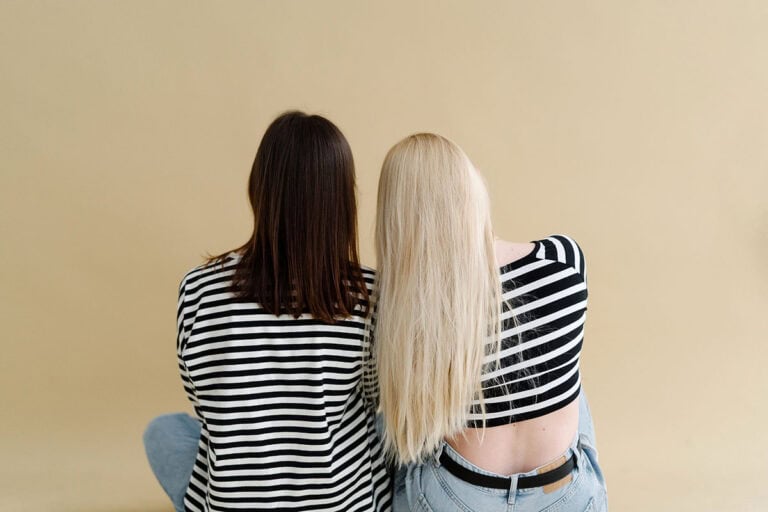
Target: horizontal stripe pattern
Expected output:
[285,424]
[543,312]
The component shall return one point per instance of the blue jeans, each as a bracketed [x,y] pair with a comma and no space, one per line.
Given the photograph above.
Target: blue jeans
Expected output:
[171,442]
[430,487]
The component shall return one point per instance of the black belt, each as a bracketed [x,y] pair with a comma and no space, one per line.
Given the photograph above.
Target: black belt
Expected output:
[497,482]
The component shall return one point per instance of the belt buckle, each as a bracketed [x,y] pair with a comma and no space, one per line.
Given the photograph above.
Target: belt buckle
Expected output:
[550,488]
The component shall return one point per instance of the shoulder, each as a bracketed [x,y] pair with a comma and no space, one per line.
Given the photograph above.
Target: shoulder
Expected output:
[563,249]
[208,272]
[369,276]
[509,252]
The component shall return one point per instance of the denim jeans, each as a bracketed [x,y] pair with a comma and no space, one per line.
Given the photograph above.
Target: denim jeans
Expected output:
[171,442]
[429,487]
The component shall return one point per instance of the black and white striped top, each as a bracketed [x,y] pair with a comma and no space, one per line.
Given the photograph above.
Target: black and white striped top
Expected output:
[284,422]
[541,344]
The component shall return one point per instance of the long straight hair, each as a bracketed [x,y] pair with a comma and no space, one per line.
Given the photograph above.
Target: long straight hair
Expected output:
[302,256]
[439,293]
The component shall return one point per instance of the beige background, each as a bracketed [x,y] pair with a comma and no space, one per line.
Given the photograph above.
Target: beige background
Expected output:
[638,127]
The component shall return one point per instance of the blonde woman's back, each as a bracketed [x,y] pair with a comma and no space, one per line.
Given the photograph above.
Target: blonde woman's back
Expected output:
[526,445]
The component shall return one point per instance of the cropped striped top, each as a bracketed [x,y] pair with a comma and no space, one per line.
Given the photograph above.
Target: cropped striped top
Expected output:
[543,313]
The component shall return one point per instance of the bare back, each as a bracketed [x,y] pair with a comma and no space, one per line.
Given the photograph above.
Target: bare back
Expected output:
[523,446]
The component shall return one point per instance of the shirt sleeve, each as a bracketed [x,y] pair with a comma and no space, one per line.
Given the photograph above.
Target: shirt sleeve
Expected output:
[183,327]
[370,378]
[565,250]
[194,498]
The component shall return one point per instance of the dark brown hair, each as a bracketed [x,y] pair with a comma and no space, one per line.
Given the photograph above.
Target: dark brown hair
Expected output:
[302,256]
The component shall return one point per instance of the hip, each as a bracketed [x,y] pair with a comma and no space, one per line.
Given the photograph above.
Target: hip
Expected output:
[446,481]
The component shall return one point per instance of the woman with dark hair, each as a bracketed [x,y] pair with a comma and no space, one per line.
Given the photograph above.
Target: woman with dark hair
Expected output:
[270,344]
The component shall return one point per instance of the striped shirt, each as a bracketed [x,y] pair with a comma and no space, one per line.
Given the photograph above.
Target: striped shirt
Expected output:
[284,422]
[543,313]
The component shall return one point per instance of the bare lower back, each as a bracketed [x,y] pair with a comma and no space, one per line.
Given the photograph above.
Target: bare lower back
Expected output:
[520,447]
[524,446]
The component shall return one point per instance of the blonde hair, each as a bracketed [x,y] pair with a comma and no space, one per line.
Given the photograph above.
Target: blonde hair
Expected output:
[439,293]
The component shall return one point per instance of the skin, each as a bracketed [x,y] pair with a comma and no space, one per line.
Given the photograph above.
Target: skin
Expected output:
[527,445]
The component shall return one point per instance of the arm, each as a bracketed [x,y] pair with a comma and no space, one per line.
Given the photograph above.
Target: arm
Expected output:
[370,375]
[564,249]
[183,327]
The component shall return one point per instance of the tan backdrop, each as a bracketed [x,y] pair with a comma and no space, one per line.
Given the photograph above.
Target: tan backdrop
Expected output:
[639,128]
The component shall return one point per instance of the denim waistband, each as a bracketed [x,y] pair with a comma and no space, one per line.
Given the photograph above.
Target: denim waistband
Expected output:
[573,449]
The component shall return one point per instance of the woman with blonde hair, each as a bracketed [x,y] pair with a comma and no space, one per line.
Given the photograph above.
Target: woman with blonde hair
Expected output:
[477,347]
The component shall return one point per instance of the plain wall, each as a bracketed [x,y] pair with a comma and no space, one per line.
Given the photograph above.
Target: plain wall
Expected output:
[127,131]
